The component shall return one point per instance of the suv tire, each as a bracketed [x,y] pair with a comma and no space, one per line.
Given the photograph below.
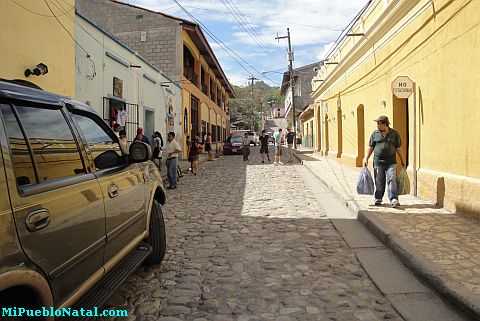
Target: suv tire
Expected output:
[156,237]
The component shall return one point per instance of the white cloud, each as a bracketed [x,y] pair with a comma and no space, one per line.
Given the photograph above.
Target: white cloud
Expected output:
[314,26]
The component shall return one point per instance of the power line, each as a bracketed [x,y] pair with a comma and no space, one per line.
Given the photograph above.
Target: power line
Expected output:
[61,8]
[342,34]
[263,18]
[65,28]
[39,14]
[237,14]
[222,44]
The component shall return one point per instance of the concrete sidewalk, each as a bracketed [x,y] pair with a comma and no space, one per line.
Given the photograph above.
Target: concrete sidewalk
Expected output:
[440,247]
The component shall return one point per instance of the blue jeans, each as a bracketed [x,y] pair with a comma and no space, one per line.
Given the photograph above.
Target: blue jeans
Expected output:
[386,174]
[172,171]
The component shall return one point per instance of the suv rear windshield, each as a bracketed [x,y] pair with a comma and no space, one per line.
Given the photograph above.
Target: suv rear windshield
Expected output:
[237,139]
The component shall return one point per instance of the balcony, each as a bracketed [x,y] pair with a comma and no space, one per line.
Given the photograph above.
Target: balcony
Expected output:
[205,89]
[190,75]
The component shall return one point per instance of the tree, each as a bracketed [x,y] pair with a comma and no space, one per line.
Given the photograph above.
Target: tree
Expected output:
[250,107]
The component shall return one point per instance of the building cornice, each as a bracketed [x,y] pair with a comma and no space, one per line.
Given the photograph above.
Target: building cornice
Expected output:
[389,17]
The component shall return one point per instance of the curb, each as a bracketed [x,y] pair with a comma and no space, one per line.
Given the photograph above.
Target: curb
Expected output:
[420,266]
[409,256]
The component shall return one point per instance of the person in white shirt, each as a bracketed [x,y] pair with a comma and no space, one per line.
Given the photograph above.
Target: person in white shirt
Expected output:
[173,149]
[116,129]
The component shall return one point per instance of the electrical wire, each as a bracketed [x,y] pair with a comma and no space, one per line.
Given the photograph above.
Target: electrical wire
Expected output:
[36,13]
[343,34]
[222,44]
[66,12]
[246,25]
[263,18]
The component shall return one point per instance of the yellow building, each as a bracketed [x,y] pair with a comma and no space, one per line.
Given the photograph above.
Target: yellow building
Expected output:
[308,135]
[434,43]
[31,35]
[206,89]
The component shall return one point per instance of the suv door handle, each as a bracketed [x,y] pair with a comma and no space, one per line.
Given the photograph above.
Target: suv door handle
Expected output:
[112,190]
[37,220]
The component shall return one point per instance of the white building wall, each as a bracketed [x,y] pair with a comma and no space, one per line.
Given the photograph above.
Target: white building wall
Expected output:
[141,85]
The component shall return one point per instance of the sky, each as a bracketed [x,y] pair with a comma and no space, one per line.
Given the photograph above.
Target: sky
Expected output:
[246,29]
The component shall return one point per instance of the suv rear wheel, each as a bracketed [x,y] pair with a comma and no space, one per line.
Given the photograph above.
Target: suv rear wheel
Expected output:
[156,236]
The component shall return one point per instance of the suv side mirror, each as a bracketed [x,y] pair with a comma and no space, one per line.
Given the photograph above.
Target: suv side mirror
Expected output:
[139,152]
[107,159]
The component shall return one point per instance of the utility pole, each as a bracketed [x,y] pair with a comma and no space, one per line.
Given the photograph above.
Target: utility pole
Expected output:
[290,70]
[253,103]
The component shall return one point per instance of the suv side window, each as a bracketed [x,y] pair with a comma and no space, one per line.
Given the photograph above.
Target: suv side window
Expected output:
[21,160]
[55,151]
[99,141]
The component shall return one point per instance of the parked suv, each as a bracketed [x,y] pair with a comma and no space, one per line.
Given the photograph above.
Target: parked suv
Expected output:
[253,138]
[77,215]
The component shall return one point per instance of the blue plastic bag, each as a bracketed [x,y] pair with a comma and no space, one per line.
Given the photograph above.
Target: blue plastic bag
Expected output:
[403,183]
[365,182]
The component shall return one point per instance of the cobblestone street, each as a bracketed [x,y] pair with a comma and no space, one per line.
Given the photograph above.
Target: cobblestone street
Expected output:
[242,247]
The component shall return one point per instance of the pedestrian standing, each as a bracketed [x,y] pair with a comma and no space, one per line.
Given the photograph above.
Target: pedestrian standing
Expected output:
[116,129]
[173,149]
[290,138]
[141,137]
[385,142]
[188,142]
[157,149]
[246,147]
[278,141]
[208,146]
[264,146]
[123,141]
[194,155]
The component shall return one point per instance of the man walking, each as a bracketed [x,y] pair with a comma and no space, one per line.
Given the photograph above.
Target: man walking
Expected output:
[290,138]
[264,146]
[173,149]
[246,147]
[278,136]
[386,143]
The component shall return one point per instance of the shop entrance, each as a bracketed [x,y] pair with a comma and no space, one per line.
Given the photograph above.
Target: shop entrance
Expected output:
[400,123]
[339,133]
[149,122]
[194,116]
[125,114]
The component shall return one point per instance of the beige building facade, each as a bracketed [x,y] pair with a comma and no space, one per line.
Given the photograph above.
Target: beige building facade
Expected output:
[434,44]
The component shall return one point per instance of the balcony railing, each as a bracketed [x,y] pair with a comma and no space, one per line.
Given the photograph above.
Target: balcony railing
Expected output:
[190,75]
[205,89]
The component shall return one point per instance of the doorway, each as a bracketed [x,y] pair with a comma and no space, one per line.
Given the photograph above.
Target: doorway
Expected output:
[339,133]
[360,136]
[400,123]
[149,122]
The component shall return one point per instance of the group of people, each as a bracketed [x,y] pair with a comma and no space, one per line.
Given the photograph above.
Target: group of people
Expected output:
[279,140]
[172,151]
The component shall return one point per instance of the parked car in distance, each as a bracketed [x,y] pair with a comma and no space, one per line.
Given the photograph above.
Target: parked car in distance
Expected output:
[77,214]
[253,138]
[270,137]
[233,145]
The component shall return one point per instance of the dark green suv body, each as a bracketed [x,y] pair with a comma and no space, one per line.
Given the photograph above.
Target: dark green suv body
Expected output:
[73,207]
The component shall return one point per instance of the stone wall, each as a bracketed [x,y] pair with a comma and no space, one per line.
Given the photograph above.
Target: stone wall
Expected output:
[163,44]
